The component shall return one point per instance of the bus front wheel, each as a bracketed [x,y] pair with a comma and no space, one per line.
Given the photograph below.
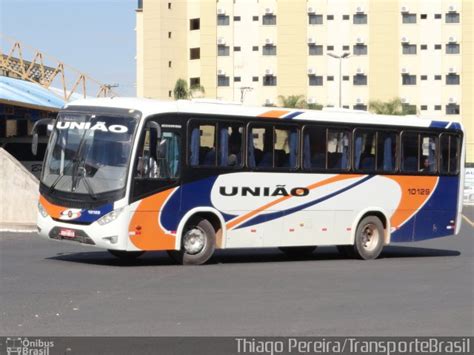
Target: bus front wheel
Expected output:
[369,238]
[197,243]
[125,255]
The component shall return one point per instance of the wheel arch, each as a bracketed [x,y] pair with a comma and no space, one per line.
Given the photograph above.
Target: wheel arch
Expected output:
[213,216]
[377,212]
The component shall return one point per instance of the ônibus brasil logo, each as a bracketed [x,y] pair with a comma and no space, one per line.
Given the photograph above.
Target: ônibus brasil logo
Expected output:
[98,126]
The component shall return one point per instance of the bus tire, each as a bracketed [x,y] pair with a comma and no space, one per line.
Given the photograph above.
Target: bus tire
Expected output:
[369,238]
[197,243]
[298,251]
[125,255]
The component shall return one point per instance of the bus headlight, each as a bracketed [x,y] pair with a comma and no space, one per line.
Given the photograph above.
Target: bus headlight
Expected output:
[109,217]
[41,210]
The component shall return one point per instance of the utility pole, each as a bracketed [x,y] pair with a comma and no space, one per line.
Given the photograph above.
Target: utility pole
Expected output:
[340,57]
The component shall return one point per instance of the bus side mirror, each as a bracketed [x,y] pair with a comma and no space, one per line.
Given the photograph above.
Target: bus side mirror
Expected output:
[34,132]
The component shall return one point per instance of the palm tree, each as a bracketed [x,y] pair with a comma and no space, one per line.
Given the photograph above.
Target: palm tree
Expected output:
[182,92]
[392,107]
[293,101]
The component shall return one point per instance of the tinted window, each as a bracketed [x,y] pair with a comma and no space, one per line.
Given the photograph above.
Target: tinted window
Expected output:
[428,153]
[386,151]
[202,145]
[338,148]
[314,148]
[364,150]
[449,154]
[409,152]
[230,144]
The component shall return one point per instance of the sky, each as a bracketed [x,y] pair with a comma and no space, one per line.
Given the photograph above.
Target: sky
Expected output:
[97,37]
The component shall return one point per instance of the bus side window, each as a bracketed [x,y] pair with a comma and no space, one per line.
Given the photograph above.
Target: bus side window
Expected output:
[364,150]
[285,148]
[260,147]
[409,152]
[202,145]
[386,151]
[147,164]
[314,148]
[428,154]
[449,154]
[338,148]
[230,144]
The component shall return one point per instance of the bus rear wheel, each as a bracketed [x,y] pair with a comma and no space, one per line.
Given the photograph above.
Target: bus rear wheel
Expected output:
[298,251]
[197,243]
[369,238]
[125,255]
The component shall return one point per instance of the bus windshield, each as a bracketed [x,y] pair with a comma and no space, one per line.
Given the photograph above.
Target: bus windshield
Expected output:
[88,153]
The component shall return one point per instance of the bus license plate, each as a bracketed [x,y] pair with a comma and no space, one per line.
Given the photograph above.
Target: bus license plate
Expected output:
[67,233]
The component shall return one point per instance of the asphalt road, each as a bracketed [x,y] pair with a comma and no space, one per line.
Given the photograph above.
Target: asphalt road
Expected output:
[49,288]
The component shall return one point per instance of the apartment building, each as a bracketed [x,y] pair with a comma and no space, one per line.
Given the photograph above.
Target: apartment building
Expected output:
[332,52]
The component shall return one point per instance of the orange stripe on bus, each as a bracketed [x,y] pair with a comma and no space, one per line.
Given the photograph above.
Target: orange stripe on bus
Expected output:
[415,190]
[251,214]
[146,219]
[274,114]
[53,210]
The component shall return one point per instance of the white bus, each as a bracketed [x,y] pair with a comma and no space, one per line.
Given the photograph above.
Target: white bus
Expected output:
[135,175]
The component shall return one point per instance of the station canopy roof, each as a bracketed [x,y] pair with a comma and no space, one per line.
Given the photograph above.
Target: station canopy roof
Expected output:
[29,95]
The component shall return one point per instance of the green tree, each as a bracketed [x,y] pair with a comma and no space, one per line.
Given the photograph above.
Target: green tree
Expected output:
[293,101]
[182,92]
[392,107]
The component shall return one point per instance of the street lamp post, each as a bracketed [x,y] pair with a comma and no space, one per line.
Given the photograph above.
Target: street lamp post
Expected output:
[340,57]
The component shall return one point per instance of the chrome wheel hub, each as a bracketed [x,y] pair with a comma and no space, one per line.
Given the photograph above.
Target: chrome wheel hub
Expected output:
[194,241]
[370,237]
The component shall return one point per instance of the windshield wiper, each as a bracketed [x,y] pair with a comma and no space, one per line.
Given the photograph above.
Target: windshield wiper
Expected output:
[84,178]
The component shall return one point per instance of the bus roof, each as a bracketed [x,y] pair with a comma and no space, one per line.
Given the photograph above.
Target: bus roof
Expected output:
[151,107]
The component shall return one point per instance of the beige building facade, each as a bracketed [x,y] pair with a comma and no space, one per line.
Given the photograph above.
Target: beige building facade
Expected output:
[254,51]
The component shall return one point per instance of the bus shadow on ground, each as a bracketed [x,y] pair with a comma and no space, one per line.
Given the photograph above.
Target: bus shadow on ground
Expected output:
[248,256]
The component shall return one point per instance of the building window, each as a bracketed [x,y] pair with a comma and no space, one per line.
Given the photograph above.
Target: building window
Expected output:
[346,48]
[269,80]
[237,79]
[452,48]
[254,78]
[193,82]
[360,107]
[330,78]
[452,79]
[345,77]
[452,17]
[314,49]
[169,63]
[437,46]
[223,20]
[255,48]
[194,24]
[314,19]
[346,17]
[236,18]
[423,16]
[408,18]
[330,17]
[359,19]
[140,5]
[359,79]
[169,6]
[315,80]
[437,107]
[170,93]
[452,109]
[360,49]
[195,53]
[223,80]
[254,18]
[269,49]
[437,16]
[424,47]
[423,107]
[269,19]
[169,34]
[330,48]
[424,77]
[408,79]
[409,48]
[237,49]
[223,51]
[437,77]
